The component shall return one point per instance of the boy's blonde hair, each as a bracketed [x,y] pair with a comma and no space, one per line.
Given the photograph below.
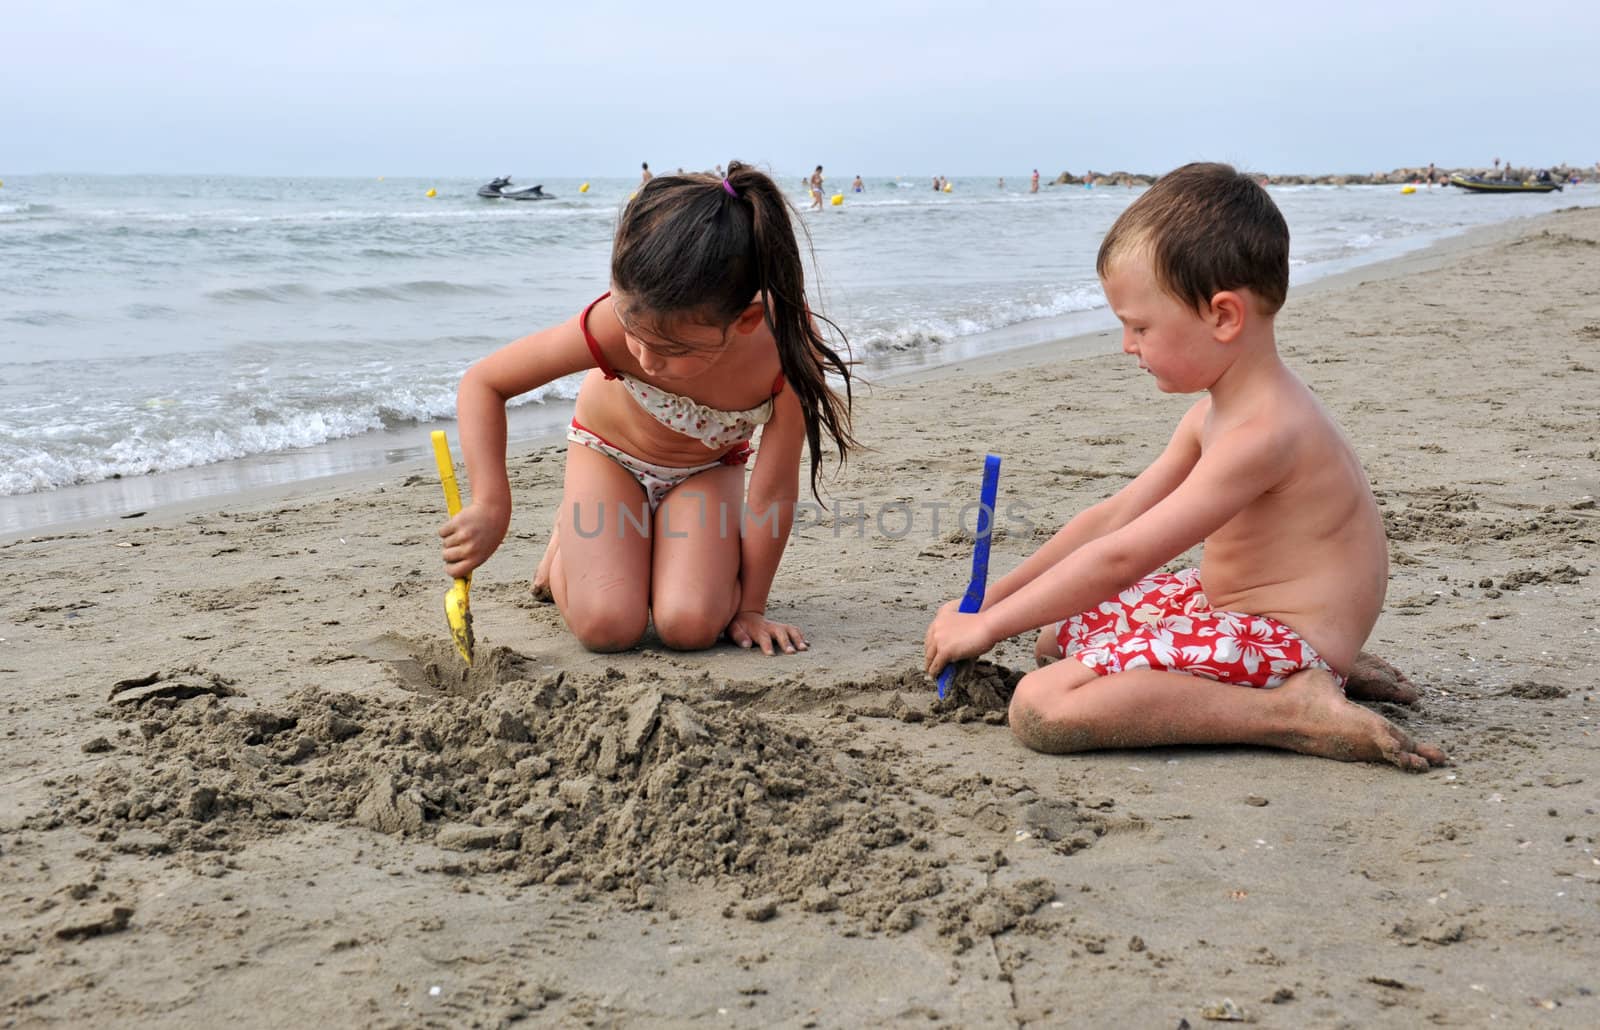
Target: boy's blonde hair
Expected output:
[1206,228]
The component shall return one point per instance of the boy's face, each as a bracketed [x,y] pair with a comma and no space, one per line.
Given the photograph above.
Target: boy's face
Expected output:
[1172,341]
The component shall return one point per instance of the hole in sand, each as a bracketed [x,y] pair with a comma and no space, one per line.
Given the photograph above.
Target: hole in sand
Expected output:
[432,667]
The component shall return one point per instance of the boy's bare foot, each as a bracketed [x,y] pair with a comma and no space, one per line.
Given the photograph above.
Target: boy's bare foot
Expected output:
[1373,679]
[541,575]
[1330,726]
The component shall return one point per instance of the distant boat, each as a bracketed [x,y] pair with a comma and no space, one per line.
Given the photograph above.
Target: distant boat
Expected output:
[1478,184]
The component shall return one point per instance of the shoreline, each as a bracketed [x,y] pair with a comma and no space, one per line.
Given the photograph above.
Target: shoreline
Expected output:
[238,742]
[374,457]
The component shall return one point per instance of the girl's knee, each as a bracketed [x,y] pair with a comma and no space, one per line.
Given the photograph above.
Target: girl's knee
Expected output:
[607,630]
[688,627]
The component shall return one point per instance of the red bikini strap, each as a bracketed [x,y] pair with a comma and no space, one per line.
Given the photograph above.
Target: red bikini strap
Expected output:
[777,385]
[594,345]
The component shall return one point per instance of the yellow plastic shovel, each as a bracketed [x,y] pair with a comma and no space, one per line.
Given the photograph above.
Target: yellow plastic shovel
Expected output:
[456,611]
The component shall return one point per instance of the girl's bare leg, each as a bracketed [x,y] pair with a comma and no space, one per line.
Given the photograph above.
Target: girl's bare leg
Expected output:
[695,567]
[600,574]
[1066,707]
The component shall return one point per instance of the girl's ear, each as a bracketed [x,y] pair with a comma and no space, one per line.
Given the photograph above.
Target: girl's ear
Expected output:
[1227,315]
[751,317]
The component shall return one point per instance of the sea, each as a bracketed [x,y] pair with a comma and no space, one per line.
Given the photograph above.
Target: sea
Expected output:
[172,338]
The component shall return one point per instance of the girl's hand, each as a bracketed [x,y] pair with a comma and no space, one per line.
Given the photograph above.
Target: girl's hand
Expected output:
[471,537]
[953,636]
[754,628]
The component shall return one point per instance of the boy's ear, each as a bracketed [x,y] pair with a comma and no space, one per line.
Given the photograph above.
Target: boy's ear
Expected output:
[1227,315]
[751,317]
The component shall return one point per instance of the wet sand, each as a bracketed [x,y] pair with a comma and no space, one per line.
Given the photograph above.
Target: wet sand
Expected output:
[245,779]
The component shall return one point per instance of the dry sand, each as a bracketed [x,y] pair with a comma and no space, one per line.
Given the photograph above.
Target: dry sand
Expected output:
[244,780]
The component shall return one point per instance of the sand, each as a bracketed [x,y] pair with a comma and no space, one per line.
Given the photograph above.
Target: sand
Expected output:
[244,778]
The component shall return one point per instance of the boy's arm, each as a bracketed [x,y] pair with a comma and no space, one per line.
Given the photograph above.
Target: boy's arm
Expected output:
[1149,487]
[516,368]
[769,504]
[1237,467]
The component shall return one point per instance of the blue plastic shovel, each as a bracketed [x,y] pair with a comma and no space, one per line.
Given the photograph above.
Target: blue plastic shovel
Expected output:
[972,600]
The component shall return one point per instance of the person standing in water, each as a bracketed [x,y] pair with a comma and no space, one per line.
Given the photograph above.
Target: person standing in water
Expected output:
[1033,184]
[858,186]
[816,189]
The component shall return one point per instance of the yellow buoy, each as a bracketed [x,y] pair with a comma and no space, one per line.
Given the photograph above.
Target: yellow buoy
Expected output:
[1408,189]
[947,188]
[584,188]
[838,199]
[635,193]
[432,192]
[380,178]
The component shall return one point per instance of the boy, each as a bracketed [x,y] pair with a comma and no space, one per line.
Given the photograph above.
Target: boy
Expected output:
[1295,563]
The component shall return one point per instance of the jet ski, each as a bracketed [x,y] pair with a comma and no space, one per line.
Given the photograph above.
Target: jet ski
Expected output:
[501,189]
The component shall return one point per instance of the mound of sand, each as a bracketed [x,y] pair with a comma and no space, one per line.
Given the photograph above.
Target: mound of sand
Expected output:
[626,787]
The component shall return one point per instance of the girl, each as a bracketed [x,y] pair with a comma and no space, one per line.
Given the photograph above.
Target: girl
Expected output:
[703,337]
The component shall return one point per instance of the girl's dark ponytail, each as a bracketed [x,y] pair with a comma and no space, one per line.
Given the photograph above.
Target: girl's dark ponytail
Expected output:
[709,245]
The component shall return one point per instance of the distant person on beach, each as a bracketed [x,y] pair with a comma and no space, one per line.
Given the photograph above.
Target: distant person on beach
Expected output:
[1430,175]
[703,338]
[1002,183]
[1295,562]
[1033,184]
[816,189]
[858,186]
[645,175]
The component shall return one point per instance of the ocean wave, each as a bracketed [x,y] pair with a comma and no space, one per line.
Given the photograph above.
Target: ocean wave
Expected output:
[416,290]
[24,210]
[41,317]
[280,293]
[141,311]
[242,217]
[166,436]
[893,336]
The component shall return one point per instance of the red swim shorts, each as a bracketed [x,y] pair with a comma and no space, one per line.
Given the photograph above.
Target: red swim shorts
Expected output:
[1165,622]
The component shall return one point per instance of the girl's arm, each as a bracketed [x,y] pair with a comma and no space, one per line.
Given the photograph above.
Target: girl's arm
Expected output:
[1111,514]
[522,365]
[767,520]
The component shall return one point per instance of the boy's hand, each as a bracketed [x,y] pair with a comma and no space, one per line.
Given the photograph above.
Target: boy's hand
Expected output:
[755,629]
[471,537]
[953,636]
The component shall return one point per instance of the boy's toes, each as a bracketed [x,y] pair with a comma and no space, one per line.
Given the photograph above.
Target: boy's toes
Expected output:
[1400,750]
[1435,756]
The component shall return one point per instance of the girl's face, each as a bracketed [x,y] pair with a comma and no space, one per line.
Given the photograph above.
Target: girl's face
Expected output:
[678,349]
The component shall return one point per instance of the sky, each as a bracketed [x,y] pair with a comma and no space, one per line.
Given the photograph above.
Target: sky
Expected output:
[555,89]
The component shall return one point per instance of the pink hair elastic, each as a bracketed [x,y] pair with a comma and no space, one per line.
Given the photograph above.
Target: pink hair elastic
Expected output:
[728,186]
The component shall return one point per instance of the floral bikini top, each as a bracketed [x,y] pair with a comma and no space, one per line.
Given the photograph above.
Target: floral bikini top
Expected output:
[716,429]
